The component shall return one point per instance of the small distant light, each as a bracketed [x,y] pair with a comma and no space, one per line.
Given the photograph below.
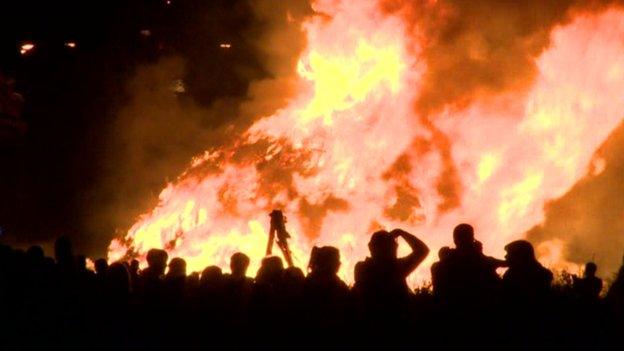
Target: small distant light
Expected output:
[168,2]
[178,86]
[145,32]
[225,45]
[70,44]
[26,47]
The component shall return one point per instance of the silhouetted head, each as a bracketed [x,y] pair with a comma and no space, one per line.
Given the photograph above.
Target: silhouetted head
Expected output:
[118,280]
[134,266]
[177,267]
[35,253]
[211,277]
[81,262]
[271,270]
[383,245]
[157,260]
[444,253]
[519,253]
[192,281]
[478,246]
[63,251]
[239,262]
[463,236]
[324,260]
[294,275]
[590,269]
[101,266]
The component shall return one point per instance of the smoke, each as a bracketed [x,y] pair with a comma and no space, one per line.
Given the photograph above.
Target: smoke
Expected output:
[473,49]
[173,112]
[590,217]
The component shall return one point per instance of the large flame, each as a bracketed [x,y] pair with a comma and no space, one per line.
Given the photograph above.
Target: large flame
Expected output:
[349,154]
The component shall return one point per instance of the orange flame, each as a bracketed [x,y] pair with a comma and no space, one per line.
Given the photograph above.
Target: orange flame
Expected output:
[349,154]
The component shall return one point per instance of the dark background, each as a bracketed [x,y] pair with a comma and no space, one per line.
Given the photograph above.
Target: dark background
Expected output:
[72,96]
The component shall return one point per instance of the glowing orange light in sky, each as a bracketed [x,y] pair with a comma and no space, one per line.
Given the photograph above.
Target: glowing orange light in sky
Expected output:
[26,47]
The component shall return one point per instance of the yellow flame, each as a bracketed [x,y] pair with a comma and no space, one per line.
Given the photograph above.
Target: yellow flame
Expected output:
[350,144]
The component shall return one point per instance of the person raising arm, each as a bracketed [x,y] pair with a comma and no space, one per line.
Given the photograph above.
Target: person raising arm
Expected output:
[419,252]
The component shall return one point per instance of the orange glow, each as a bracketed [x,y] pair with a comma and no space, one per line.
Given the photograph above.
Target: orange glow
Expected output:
[225,45]
[70,44]
[345,156]
[26,47]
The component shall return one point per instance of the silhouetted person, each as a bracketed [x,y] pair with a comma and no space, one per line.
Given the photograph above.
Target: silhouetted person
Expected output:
[81,263]
[238,288]
[101,270]
[118,304]
[175,280]
[266,306]
[118,282]
[101,266]
[135,279]
[192,284]
[156,265]
[588,288]
[491,263]
[292,286]
[615,298]
[152,277]
[380,283]
[68,293]
[35,253]
[85,278]
[64,255]
[211,283]
[526,280]
[438,273]
[177,268]
[81,267]
[464,277]
[326,296]
[270,272]
[211,295]
[527,297]
[239,262]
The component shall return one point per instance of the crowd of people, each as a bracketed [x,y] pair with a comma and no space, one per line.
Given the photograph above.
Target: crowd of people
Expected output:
[59,303]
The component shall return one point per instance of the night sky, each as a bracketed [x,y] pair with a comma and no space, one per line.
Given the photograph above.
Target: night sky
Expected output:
[50,182]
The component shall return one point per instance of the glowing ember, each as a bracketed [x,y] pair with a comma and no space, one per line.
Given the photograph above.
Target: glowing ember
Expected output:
[70,44]
[349,154]
[26,47]
[225,45]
